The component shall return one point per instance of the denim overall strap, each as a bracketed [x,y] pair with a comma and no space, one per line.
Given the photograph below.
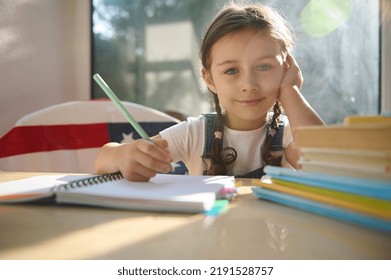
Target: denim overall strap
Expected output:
[276,144]
[210,128]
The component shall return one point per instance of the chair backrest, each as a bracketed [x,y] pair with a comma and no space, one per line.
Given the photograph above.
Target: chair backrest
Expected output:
[66,137]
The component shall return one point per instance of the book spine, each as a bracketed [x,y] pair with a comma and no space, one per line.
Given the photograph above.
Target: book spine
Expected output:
[376,138]
[360,186]
[324,210]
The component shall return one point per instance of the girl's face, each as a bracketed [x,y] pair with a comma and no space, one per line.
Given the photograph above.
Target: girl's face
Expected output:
[246,68]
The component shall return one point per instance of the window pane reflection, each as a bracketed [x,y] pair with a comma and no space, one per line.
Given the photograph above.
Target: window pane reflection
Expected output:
[147,51]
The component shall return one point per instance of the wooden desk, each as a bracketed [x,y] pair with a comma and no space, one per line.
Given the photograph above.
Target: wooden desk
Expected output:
[251,229]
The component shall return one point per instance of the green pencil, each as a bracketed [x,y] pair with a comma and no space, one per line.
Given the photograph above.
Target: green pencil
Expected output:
[98,79]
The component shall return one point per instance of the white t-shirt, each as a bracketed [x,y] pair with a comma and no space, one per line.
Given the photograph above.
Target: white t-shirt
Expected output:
[186,142]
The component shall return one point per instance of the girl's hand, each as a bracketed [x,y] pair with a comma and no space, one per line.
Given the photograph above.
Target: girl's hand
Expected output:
[292,76]
[138,160]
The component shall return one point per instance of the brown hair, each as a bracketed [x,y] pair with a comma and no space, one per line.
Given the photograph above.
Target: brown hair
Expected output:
[230,19]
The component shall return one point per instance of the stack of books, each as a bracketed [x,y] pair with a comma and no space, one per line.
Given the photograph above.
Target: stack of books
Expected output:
[361,147]
[346,173]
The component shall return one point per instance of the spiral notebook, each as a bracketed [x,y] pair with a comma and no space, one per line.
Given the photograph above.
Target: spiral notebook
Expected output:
[164,192]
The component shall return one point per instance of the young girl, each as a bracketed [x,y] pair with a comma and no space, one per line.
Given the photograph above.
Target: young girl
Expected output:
[251,75]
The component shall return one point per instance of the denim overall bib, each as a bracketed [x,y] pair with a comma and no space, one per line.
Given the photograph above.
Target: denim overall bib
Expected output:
[210,128]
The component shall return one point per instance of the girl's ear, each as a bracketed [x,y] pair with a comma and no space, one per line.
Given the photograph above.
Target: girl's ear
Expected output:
[207,76]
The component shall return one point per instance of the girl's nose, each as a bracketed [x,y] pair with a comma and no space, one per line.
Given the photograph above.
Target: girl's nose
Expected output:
[249,82]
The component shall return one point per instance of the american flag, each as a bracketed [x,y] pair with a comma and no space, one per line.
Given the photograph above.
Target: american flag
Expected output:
[69,141]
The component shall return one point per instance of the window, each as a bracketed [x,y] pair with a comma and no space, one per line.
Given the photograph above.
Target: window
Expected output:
[147,51]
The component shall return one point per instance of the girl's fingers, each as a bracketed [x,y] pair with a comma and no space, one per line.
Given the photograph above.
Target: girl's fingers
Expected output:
[141,160]
[144,168]
[157,149]
[154,160]
[131,176]
[293,67]
[290,59]
[138,172]
[163,144]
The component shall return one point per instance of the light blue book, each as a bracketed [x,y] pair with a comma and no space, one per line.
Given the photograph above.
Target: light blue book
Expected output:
[372,188]
[323,209]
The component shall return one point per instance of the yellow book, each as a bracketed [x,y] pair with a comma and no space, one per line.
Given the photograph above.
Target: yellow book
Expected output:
[367,136]
[366,205]
[359,119]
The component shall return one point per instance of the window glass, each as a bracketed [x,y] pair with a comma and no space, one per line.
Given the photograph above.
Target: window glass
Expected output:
[147,51]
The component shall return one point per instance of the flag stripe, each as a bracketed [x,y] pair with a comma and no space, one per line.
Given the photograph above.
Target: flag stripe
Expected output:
[31,139]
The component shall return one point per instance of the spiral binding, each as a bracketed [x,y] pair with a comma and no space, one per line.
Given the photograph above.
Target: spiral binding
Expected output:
[85,182]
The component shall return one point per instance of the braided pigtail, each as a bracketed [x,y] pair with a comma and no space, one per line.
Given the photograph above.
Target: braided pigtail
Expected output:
[266,154]
[220,157]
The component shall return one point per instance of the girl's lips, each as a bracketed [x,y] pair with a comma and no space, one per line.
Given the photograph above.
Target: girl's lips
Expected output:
[252,102]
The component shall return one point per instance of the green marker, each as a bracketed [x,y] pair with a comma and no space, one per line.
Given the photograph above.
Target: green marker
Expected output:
[98,79]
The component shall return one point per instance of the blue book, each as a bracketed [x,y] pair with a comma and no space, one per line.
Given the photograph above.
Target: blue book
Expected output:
[366,187]
[323,209]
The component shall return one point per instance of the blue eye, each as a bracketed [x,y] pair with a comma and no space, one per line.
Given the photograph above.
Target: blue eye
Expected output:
[231,71]
[263,67]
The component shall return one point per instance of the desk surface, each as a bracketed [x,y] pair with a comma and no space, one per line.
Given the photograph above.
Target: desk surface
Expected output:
[250,229]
